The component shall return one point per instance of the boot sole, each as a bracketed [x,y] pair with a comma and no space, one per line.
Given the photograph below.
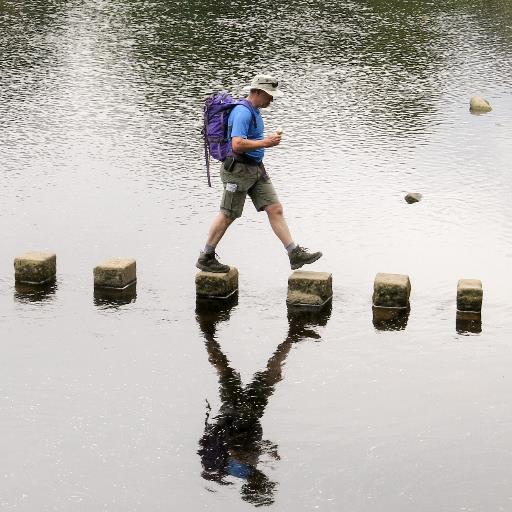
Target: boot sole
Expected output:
[312,260]
[204,268]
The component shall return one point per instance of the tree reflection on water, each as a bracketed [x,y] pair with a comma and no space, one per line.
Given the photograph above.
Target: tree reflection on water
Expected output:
[232,444]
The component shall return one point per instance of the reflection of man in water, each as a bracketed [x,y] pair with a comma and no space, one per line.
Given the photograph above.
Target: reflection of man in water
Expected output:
[232,444]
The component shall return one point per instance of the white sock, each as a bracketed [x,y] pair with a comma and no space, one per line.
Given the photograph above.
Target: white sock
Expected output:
[290,247]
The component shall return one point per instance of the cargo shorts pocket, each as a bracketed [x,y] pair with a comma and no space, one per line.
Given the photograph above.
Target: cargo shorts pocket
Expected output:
[228,197]
[236,184]
[233,200]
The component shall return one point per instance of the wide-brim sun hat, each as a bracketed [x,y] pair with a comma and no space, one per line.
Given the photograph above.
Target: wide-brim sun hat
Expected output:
[265,83]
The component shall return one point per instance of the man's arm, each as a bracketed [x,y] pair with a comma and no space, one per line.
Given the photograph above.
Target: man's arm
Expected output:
[241,145]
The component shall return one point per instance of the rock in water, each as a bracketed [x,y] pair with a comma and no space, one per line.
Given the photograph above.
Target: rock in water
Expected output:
[477,104]
[307,288]
[413,197]
[115,273]
[391,291]
[217,285]
[469,295]
[35,267]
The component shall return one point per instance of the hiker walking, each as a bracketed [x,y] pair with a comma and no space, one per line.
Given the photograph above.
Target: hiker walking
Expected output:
[243,173]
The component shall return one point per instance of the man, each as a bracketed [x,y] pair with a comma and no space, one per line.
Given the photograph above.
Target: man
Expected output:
[244,173]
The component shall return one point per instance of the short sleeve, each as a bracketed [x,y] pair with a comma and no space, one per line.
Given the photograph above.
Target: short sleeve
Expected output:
[240,122]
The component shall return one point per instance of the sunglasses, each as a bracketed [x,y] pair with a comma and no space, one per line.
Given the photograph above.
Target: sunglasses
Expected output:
[273,84]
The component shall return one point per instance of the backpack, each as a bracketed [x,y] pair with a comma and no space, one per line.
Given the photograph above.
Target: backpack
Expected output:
[216,110]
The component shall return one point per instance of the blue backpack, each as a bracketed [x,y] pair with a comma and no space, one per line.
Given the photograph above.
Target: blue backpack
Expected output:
[216,110]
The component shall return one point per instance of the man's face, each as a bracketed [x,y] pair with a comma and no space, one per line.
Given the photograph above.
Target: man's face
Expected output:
[265,99]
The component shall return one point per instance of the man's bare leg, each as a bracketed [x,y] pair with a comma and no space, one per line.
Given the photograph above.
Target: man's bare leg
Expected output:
[218,227]
[279,224]
[207,260]
[298,255]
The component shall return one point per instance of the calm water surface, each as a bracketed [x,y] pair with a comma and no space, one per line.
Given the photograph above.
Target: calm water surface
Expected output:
[155,403]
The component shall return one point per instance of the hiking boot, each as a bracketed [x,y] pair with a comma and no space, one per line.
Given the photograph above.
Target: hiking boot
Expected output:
[300,256]
[210,263]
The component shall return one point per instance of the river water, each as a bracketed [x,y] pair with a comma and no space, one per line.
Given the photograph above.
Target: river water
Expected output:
[155,403]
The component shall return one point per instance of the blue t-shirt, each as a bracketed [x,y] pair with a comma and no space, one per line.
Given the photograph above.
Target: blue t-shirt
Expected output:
[241,124]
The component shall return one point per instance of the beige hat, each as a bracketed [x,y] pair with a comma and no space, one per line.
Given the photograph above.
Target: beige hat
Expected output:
[265,83]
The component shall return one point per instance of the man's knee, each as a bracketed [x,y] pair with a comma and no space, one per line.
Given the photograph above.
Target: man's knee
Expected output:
[274,210]
[226,218]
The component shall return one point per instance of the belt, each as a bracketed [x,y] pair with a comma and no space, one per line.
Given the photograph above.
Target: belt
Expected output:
[229,162]
[244,159]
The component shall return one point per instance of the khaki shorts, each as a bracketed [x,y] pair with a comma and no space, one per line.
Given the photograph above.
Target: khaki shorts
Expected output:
[245,179]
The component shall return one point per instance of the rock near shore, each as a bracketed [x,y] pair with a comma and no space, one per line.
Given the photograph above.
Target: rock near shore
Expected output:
[413,197]
[479,105]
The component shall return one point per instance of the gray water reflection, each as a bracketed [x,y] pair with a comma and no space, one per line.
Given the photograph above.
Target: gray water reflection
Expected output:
[26,293]
[388,319]
[100,154]
[106,298]
[232,446]
[468,323]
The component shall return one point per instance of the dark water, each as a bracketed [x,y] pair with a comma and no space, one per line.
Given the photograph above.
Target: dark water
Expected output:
[152,402]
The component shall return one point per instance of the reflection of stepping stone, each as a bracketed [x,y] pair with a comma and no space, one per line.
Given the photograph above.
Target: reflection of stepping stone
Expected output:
[35,267]
[115,296]
[309,289]
[468,322]
[213,285]
[390,319]
[391,291]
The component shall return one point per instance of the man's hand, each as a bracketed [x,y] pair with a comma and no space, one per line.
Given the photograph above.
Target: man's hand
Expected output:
[272,140]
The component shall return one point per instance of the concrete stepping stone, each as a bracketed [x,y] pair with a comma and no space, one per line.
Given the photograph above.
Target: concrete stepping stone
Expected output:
[35,267]
[309,289]
[391,291]
[117,273]
[212,285]
[469,295]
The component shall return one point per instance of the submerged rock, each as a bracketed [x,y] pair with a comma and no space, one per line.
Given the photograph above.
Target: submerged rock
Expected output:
[413,197]
[479,105]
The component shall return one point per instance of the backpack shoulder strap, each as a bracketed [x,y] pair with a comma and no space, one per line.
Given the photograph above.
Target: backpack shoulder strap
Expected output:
[247,104]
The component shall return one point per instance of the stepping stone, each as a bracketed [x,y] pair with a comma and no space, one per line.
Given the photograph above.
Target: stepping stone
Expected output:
[469,295]
[35,267]
[118,273]
[309,289]
[391,291]
[212,285]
